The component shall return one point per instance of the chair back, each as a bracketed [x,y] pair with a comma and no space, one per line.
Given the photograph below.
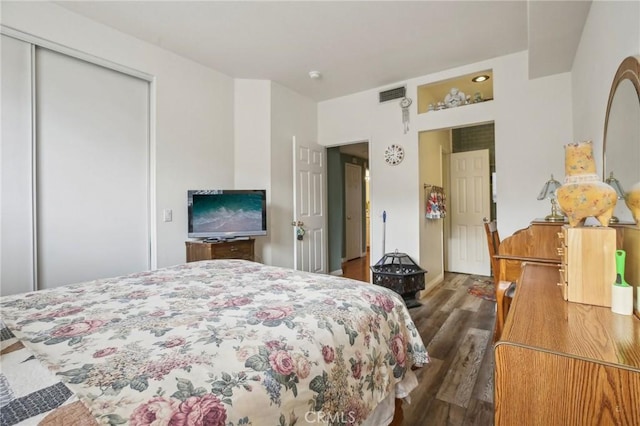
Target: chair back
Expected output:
[493,242]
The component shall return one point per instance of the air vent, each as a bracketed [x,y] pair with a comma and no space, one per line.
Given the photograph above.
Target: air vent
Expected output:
[391,94]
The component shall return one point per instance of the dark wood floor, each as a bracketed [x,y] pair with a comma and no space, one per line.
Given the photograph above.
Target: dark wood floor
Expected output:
[456,388]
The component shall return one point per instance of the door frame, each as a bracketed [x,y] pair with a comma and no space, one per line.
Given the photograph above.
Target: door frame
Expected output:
[353,228]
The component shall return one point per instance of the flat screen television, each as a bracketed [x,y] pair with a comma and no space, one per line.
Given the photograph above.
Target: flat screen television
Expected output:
[227,214]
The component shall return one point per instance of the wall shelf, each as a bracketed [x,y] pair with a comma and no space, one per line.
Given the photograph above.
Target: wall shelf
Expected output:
[433,93]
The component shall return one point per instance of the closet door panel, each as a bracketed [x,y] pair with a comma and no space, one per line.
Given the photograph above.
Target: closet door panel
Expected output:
[92,171]
[16,188]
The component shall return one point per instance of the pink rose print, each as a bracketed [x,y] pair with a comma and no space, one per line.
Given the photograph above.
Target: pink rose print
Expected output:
[281,362]
[195,411]
[398,348]
[77,328]
[140,294]
[173,342]
[55,314]
[301,366]
[274,313]
[238,301]
[328,354]
[158,411]
[105,352]
[66,312]
[385,303]
[273,345]
[381,300]
[356,370]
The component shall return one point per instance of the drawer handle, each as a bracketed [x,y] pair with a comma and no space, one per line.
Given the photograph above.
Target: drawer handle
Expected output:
[233,249]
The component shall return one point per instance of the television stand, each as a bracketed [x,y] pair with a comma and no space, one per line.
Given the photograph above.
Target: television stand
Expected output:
[238,248]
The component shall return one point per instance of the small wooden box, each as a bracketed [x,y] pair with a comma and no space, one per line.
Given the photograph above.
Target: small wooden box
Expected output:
[589,266]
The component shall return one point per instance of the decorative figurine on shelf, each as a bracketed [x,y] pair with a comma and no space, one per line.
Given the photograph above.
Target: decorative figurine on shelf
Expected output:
[583,193]
[454,98]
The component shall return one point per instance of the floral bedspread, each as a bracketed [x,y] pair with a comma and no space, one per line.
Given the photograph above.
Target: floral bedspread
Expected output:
[222,342]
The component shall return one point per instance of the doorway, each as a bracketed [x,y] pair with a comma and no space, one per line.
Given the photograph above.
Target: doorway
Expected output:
[437,240]
[342,231]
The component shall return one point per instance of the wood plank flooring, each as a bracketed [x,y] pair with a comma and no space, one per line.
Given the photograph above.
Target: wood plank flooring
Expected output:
[456,388]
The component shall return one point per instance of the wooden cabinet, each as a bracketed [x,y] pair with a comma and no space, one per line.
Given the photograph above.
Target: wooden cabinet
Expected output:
[235,249]
[588,264]
[564,363]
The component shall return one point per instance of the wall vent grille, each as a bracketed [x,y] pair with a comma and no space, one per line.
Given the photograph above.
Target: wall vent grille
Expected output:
[391,94]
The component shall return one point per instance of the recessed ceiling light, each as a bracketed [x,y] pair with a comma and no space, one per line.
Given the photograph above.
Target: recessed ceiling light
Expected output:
[315,74]
[480,78]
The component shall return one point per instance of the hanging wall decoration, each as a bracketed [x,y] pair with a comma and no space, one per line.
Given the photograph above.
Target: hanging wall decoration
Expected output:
[405,103]
[435,200]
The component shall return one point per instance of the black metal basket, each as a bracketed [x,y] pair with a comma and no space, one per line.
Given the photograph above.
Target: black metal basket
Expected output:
[400,273]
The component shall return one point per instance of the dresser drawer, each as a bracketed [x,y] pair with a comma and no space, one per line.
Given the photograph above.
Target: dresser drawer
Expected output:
[239,249]
[233,250]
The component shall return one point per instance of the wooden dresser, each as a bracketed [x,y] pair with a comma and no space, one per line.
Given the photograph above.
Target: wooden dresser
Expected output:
[565,363]
[234,249]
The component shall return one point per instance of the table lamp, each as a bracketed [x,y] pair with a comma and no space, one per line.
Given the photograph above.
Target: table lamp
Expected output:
[549,191]
[615,184]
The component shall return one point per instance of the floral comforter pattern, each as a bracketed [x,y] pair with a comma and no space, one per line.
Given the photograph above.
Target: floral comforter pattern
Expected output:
[222,342]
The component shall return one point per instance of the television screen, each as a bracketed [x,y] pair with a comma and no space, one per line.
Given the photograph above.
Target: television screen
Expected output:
[227,214]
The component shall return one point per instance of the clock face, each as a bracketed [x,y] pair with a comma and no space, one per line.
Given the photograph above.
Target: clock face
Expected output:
[405,102]
[393,154]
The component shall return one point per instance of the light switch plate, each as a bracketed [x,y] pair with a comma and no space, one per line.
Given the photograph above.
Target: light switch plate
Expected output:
[167,215]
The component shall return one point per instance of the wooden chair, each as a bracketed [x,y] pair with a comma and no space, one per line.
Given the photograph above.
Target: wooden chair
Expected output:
[503,289]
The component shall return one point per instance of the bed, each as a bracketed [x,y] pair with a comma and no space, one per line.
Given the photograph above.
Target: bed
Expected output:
[220,342]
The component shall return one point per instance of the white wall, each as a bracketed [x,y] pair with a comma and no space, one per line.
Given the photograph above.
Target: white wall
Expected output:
[193,133]
[611,33]
[267,116]
[252,122]
[532,122]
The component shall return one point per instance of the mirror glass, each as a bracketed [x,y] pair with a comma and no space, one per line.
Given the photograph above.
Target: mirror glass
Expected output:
[622,158]
[622,142]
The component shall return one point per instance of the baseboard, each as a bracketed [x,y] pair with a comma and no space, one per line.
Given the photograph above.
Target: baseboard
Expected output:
[430,285]
[337,272]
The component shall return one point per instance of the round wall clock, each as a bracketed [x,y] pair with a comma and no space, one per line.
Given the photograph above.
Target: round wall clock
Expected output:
[394,154]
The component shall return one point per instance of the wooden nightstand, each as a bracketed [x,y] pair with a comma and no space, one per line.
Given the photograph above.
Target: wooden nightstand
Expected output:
[237,249]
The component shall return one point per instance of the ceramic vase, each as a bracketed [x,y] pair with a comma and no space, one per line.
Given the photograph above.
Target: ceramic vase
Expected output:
[583,193]
[632,198]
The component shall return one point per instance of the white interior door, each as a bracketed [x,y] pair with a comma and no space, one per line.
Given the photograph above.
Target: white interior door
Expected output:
[92,166]
[469,204]
[309,206]
[353,210]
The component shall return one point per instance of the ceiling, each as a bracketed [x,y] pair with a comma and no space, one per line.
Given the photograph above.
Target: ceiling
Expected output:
[355,45]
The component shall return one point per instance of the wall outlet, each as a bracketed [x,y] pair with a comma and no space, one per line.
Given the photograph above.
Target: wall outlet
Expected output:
[167,215]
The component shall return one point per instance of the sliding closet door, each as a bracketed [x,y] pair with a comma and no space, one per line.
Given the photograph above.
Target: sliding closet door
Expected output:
[16,212]
[92,171]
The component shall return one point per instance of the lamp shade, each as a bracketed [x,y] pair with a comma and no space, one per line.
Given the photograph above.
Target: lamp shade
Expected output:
[549,189]
[615,184]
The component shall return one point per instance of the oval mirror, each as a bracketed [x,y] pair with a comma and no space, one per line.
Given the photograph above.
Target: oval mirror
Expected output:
[621,146]
[621,150]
